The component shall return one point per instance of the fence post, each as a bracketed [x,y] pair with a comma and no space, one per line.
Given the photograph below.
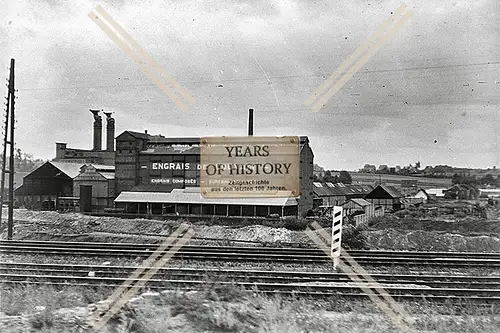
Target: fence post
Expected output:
[336,235]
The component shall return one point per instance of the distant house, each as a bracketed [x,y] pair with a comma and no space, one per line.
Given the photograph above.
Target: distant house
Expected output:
[462,192]
[435,193]
[421,194]
[385,196]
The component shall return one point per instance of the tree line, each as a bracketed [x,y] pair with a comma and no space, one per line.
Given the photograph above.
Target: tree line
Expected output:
[23,162]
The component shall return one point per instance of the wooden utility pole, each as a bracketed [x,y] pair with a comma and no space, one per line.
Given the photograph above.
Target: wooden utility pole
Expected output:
[9,116]
[10,223]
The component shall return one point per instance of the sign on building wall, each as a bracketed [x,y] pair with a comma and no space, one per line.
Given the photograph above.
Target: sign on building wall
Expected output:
[249,166]
[169,181]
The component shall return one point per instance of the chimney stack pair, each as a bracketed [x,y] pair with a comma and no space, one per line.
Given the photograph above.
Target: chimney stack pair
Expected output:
[110,130]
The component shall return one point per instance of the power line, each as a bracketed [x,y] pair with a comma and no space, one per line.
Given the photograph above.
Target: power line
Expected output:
[265,79]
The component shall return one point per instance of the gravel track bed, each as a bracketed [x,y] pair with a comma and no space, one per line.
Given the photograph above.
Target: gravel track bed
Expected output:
[116,261]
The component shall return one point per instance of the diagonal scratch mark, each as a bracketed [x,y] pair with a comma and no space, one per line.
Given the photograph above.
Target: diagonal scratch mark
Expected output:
[268,80]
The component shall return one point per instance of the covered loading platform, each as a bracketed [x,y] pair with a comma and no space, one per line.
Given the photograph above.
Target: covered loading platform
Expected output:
[189,201]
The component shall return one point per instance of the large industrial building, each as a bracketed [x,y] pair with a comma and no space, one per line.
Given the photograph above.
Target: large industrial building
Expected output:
[147,164]
[147,174]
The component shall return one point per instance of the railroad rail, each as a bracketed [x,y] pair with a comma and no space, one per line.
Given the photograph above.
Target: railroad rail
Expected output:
[484,289]
[253,254]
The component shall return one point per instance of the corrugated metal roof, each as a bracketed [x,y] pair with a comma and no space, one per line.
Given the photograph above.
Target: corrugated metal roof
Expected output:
[361,202]
[138,135]
[393,192]
[390,190]
[339,189]
[192,196]
[322,191]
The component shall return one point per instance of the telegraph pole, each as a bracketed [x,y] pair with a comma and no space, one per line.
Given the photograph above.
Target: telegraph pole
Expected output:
[9,114]
[10,223]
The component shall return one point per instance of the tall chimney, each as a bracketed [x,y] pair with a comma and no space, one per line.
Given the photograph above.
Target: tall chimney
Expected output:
[250,122]
[110,131]
[97,129]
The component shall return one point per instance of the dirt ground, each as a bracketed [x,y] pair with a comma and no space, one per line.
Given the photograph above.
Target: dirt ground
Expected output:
[76,227]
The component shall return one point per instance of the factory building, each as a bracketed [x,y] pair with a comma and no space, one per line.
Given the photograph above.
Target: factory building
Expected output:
[57,185]
[147,174]
[97,155]
[155,175]
[101,180]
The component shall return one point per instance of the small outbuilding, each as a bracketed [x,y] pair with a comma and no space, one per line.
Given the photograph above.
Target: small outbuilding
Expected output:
[385,196]
[422,195]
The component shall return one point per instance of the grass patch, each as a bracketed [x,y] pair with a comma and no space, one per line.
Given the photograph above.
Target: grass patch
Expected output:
[467,226]
[25,299]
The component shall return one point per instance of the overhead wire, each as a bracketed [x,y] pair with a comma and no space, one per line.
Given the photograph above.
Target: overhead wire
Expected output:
[260,78]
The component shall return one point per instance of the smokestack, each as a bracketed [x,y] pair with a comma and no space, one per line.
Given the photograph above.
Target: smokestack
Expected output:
[97,129]
[250,122]
[110,132]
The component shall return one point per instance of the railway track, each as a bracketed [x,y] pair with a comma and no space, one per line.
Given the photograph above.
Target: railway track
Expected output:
[253,254]
[485,289]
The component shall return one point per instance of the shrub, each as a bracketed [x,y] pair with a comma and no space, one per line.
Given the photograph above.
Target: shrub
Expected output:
[402,213]
[354,237]
[293,223]
[376,220]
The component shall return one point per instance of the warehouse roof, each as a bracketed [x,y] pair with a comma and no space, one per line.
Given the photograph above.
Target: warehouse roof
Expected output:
[137,135]
[193,196]
[327,189]
[360,202]
[383,192]
[70,169]
[172,150]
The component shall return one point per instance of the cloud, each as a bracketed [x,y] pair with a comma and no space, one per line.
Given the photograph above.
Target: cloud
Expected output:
[269,55]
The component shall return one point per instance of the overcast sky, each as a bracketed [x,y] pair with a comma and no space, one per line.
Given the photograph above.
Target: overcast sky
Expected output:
[421,97]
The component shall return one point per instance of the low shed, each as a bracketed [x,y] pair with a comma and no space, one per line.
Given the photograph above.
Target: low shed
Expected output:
[189,201]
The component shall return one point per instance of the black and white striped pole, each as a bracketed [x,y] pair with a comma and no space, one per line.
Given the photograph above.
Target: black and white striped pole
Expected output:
[336,235]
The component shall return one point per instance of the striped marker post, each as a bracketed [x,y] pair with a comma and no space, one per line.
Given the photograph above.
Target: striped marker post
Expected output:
[336,235]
